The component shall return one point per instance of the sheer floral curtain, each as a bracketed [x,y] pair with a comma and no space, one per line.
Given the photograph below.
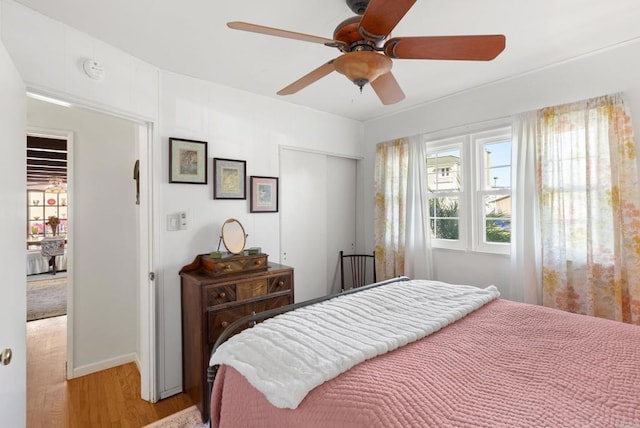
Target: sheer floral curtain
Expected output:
[390,187]
[402,236]
[589,196]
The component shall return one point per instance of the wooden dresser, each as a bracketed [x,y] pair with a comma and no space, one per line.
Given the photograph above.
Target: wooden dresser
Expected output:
[214,293]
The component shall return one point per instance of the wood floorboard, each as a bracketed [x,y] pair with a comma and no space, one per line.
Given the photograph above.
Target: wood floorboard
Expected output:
[110,398]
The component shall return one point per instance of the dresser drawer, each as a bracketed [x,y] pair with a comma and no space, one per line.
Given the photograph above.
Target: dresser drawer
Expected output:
[219,295]
[280,283]
[218,320]
[234,264]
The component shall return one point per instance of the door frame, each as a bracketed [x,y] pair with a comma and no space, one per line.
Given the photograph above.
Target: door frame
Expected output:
[149,158]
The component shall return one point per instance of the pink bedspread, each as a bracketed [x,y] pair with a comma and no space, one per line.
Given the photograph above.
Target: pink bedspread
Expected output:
[505,365]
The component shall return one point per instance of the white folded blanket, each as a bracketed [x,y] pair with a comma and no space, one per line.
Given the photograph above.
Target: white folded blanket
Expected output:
[287,356]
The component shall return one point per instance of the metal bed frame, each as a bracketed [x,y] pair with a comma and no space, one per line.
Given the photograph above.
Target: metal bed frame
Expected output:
[254,318]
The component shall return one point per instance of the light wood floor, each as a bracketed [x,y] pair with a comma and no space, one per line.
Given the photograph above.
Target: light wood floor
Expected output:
[110,398]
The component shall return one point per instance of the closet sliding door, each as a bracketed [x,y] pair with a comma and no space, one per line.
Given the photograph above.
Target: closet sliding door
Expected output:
[318,218]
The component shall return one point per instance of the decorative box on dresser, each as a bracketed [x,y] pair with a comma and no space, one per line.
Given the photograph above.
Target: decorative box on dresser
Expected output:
[214,293]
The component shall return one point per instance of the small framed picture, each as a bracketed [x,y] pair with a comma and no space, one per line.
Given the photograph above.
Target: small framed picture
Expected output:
[187,161]
[264,194]
[229,179]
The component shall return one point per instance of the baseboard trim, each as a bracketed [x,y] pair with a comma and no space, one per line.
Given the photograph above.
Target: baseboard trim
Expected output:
[104,365]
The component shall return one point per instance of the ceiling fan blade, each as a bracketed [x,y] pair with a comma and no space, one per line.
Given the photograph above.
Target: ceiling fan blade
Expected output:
[382,16]
[387,89]
[261,29]
[308,79]
[469,48]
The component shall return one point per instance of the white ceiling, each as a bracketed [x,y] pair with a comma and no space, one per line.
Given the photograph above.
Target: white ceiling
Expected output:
[190,37]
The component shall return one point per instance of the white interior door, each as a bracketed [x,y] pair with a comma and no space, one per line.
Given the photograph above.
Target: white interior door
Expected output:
[146,280]
[341,215]
[303,221]
[317,217]
[13,306]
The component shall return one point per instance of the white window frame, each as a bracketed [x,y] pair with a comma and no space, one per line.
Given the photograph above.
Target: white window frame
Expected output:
[478,141]
[471,213]
[460,144]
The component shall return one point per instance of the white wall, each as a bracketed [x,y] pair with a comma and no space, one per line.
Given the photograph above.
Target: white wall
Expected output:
[610,71]
[236,125]
[49,57]
[104,270]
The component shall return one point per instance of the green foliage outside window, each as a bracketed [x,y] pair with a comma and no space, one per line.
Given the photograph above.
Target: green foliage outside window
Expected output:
[445,226]
[497,230]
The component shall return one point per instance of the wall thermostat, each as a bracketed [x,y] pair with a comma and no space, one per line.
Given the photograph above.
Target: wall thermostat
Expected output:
[93,69]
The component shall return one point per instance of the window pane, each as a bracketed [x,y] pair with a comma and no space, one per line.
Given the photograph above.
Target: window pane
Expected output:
[497,218]
[497,165]
[443,170]
[444,220]
[446,229]
[498,178]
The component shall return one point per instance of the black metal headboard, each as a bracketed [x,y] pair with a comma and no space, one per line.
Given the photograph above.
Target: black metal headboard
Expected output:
[261,316]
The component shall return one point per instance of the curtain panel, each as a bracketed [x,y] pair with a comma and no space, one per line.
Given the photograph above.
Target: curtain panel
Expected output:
[526,261]
[390,192]
[589,199]
[401,217]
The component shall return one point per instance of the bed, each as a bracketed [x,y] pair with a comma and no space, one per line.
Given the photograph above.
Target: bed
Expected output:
[37,263]
[426,359]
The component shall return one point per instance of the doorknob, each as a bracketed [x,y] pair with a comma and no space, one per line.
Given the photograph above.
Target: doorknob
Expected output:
[6,356]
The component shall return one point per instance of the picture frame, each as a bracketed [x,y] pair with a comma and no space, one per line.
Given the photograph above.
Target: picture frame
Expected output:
[264,194]
[229,179]
[187,161]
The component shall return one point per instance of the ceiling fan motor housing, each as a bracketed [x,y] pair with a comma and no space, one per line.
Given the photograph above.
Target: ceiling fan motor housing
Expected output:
[358,6]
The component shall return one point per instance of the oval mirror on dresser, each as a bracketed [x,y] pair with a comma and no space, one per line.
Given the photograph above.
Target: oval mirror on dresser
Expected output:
[233,236]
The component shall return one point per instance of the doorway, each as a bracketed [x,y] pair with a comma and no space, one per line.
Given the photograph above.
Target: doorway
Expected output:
[47,226]
[109,251]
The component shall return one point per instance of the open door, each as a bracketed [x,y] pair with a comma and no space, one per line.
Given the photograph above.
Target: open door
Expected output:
[146,277]
[13,307]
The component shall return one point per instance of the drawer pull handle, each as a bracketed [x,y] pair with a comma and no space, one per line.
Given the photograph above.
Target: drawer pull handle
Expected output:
[280,283]
[222,295]
[227,267]
[258,262]
[224,324]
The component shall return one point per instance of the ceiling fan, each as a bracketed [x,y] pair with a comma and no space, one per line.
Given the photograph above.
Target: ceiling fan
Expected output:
[367,48]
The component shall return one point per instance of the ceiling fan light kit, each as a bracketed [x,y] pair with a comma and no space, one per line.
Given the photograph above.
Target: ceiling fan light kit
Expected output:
[362,67]
[366,48]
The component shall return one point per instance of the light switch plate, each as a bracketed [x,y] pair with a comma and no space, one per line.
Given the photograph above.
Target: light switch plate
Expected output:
[173,222]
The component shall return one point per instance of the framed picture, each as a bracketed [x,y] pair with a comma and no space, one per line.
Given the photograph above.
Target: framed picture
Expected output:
[187,161]
[264,194]
[229,179]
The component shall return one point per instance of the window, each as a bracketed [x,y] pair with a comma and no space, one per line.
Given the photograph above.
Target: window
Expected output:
[469,191]
[447,196]
[493,190]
